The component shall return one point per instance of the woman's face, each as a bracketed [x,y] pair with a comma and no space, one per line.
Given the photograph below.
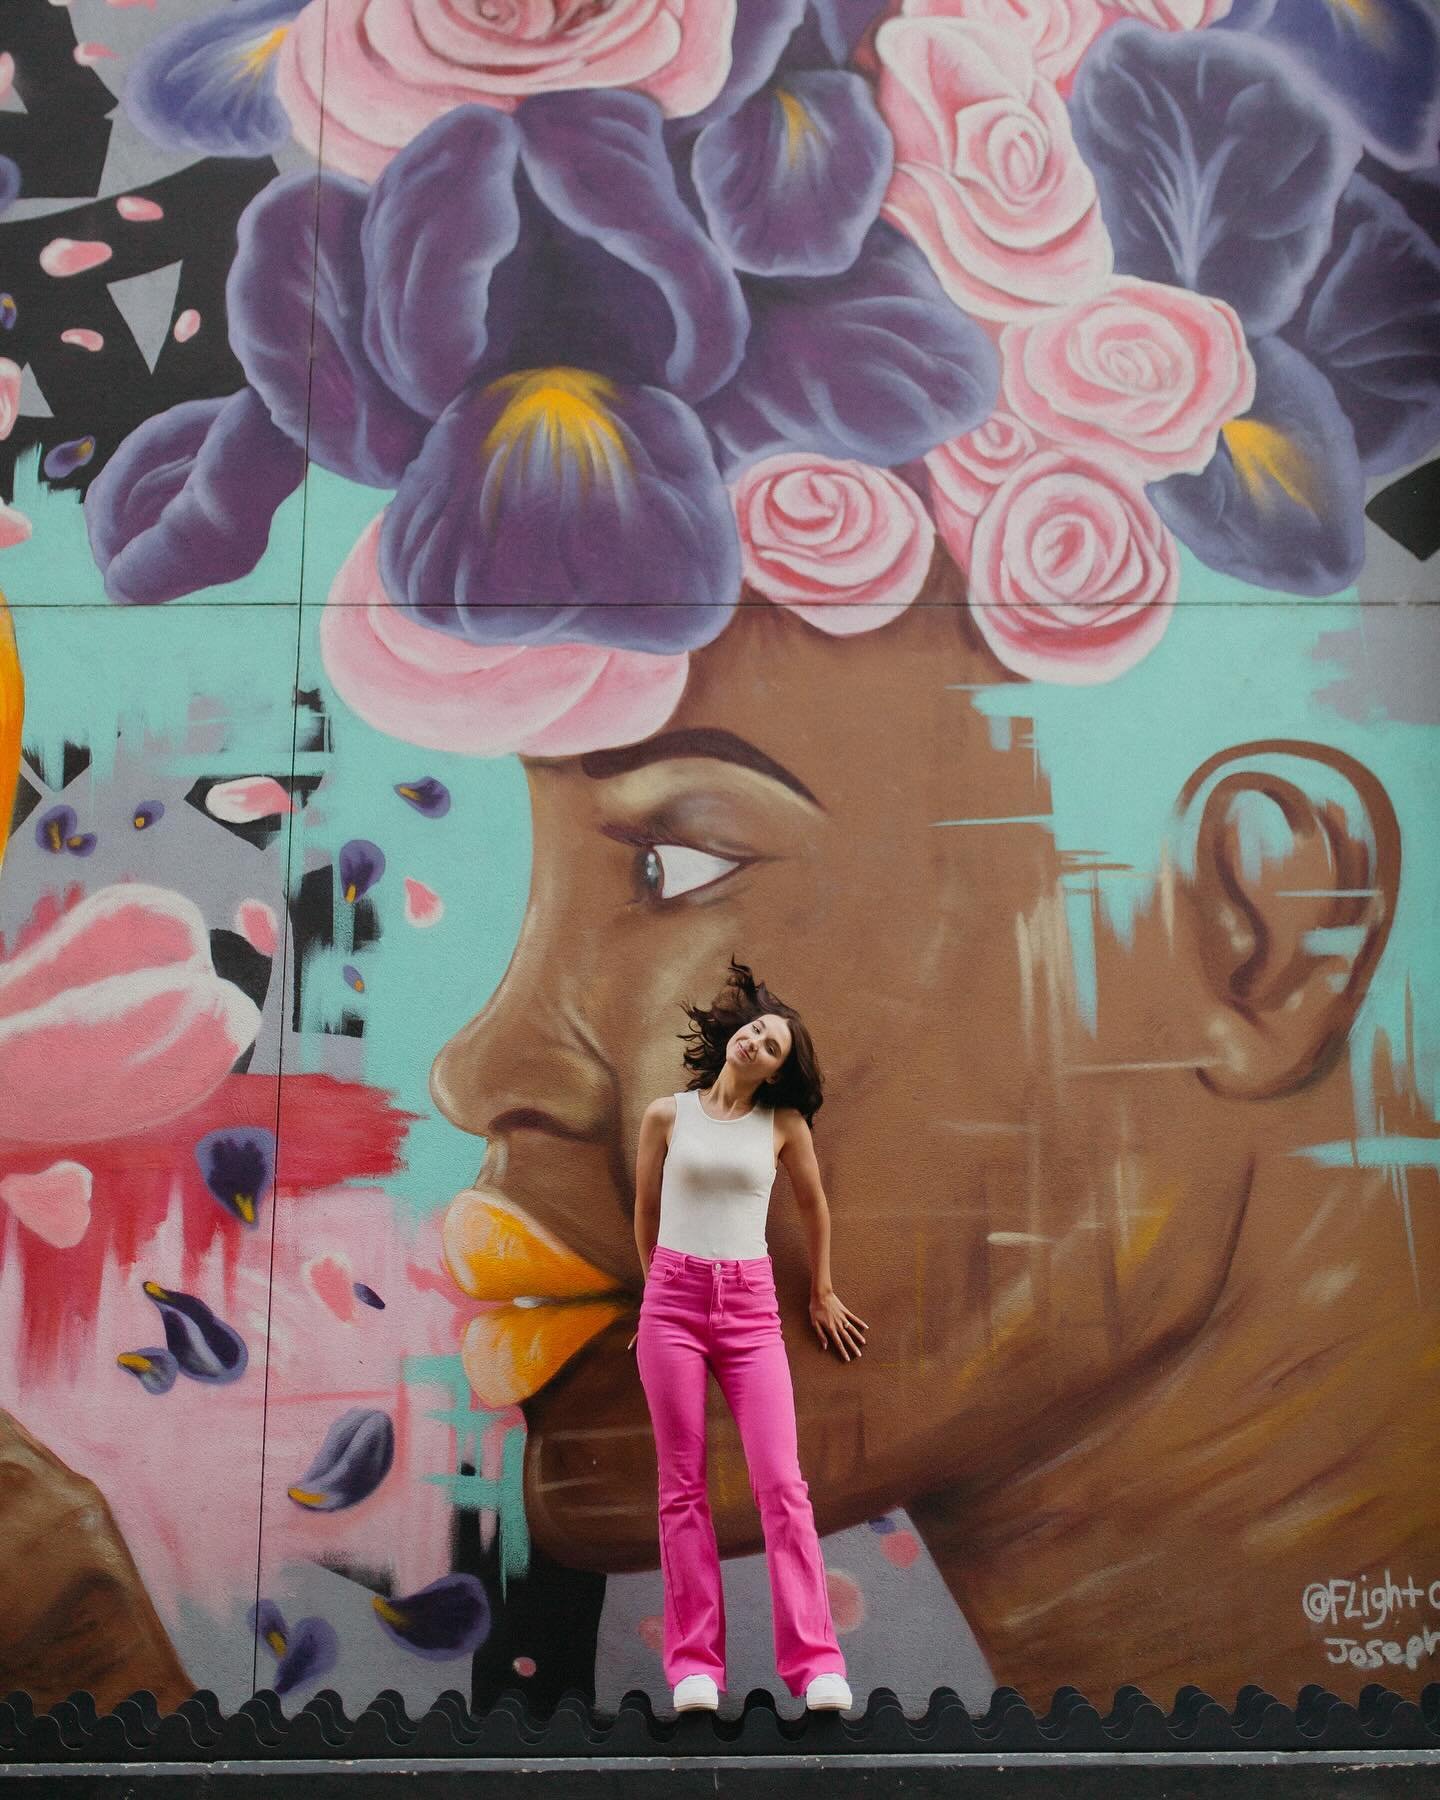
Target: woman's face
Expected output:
[757,1051]
[795,812]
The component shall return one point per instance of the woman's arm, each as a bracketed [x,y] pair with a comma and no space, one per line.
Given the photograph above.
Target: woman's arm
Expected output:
[834,1322]
[649,1162]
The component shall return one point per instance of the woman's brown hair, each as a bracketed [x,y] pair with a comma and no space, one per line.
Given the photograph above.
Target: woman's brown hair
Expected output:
[743,998]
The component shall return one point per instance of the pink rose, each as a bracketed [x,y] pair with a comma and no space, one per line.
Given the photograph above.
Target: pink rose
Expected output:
[390,67]
[1072,574]
[1144,374]
[987,179]
[965,473]
[443,693]
[1057,32]
[844,545]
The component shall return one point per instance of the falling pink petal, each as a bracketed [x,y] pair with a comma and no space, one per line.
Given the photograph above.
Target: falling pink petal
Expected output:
[87,55]
[333,1282]
[249,798]
[847,1603]
[651,1632]
[423,906]
[256,923]
[83,338]
[901,1548]
[73,256]
[135,207]
[186,325]
[7,73]
[9,395]
[524,1665]
[54,1204]
[149,3]
[14,527]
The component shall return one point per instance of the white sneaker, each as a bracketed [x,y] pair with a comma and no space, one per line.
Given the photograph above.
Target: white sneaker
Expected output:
[829,1693]
[696,1693]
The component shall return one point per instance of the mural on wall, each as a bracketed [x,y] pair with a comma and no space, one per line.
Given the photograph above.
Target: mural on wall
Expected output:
[507,506]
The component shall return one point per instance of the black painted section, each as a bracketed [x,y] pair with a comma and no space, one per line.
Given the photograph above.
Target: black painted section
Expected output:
[1409,511]
[260,1730]
[1301,1778]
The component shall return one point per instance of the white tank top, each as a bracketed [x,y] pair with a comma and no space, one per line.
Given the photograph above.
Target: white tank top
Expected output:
[715,1186]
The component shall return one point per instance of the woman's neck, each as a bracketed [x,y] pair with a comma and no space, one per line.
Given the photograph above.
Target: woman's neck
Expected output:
[727,1094]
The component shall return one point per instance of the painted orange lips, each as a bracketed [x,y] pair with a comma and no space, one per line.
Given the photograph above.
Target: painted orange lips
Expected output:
[542,1302]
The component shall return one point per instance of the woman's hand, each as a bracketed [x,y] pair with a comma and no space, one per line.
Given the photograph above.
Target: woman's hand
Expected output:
[836,1326]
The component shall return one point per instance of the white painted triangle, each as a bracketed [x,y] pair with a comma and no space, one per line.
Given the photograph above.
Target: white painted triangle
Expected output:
[147,304]
[12,102]
[33,404]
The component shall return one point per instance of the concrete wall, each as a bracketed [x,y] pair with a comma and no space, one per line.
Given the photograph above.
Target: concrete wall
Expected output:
[508,507]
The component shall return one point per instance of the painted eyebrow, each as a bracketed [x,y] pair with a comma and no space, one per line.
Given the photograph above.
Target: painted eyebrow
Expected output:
[717,745]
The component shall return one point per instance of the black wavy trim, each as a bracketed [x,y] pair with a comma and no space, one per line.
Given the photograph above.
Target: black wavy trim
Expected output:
[198,1731]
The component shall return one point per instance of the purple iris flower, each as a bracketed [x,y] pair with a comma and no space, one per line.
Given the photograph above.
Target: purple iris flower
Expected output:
[525,330]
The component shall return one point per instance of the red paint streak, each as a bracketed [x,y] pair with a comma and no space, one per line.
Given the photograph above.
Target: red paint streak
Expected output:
[48,910]
[330,1132]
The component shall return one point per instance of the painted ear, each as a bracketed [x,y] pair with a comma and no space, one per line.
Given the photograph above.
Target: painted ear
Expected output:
[1292,887]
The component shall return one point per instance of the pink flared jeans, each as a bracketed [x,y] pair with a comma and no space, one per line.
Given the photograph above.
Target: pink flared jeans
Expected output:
[700,1316]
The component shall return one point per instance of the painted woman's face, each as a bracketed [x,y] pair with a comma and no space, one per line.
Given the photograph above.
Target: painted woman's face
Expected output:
[794,812]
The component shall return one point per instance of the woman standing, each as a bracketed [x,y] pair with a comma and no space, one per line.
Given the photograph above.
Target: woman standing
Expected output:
[704,1170]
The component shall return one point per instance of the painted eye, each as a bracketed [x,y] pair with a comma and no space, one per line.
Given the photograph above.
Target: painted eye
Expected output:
[669,870]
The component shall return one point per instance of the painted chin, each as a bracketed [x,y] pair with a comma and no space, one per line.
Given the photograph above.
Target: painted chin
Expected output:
[590,1472]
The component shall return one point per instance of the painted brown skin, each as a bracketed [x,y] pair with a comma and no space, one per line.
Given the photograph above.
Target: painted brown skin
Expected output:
[79,1617]
[1139,1373]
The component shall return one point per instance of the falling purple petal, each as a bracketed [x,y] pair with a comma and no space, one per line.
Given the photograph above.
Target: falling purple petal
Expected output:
[205,1347]
[312,1651]
[361,866]
[353,978]
[82,844]
[238,1166]
[427,796]
[449,1618]
[154,1368]
[66,458]
[9,312]
[268,1623]
[146,814]
[9,182]
[883,1526]
[354,1459]
[54,828]
[367,1296]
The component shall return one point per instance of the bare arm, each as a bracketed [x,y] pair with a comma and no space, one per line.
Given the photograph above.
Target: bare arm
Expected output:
[834,1323]
[649,1162]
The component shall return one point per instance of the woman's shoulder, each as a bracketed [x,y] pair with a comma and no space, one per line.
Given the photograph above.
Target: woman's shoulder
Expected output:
[663,1110]
[790,1122]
